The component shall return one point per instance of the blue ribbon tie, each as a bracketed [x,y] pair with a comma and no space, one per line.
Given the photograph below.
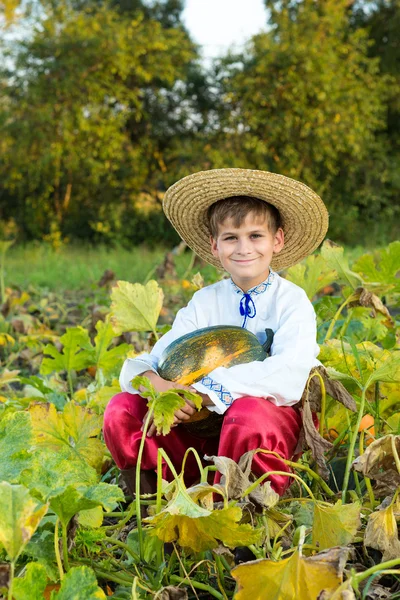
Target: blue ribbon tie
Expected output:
[247,308]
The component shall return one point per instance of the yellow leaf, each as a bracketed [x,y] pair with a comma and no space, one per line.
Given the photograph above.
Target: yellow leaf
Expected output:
[335,525]
[75,430]
[292,578]
[381,532]
[5,339]
[136,307]
[193,526]
[7,377]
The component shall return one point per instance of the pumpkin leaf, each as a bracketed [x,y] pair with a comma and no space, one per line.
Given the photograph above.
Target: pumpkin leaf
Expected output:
[379,462]
[101,398]
[50,470]
[135,307]
[334,258]
[197,528]
[335,525]
[108,360]
[73,499]
[312,274]
[294,577]
[20,514]
[76,353]
[15,437]
[32,585]
[381,532]
[92,518]
[79,582]
[74,429]
[363,297]
[164,404]
[381,268]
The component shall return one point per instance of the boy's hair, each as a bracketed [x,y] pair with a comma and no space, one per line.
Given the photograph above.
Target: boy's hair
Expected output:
[237,208]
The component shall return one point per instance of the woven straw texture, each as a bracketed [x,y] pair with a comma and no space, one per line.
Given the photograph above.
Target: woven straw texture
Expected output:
[304,215]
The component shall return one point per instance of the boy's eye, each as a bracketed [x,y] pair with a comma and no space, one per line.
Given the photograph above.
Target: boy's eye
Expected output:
[256,235]
[230,237]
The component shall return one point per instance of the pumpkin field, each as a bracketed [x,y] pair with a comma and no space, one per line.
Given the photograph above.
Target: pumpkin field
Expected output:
[68,531]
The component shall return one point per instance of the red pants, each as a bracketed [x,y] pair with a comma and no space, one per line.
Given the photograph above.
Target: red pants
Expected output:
[249,423]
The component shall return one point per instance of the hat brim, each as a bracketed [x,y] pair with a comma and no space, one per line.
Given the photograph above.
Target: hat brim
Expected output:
[303,213]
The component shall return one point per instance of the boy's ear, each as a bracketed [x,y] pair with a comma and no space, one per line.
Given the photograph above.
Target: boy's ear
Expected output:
[279,240]
[214,247]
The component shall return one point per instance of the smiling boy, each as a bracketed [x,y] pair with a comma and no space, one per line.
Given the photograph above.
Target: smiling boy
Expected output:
[249,223]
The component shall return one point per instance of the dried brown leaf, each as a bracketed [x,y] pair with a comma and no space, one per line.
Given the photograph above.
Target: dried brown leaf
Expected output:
[334,388]
[317,444]
[370,300]
[171,592]
[378,462]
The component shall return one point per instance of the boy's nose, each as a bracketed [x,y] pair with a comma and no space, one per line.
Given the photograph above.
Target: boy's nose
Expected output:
[244,247]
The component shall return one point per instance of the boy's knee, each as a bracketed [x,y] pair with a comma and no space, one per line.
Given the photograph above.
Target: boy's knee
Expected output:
[119,405]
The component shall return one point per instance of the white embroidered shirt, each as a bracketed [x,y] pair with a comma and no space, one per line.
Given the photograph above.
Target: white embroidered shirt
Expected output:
[276,304]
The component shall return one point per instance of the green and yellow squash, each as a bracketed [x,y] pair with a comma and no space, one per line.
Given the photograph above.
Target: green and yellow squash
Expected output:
[194,355]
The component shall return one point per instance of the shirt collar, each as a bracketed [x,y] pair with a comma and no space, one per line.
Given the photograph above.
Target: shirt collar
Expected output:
[258,289]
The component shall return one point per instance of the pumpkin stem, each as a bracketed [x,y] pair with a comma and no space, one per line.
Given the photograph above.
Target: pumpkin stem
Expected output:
[268,342]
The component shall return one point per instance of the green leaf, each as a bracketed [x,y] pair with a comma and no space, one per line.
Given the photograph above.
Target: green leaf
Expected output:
[313,274]
[166,403]
[335,260]
[335,525]
[74,429]
[197,528]
[20,514]
[74,499]
[92,518]
[136,307]
[76,353]
[79,583]
[32,585]
[109,361]
[15,438]
[164,410]
[52,470]
[381,268]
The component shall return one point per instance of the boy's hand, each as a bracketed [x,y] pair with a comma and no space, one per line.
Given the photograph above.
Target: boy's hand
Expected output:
[162,385]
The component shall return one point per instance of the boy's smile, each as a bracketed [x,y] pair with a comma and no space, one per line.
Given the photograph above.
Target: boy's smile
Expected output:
[245,252]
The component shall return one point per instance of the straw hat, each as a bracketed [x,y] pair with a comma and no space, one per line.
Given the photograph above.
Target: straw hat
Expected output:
[304,215]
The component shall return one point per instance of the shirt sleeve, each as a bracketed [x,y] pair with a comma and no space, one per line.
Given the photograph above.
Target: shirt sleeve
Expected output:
[281,377]
[187,319]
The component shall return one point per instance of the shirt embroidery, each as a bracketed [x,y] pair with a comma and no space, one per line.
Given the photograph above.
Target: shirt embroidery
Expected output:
[224,396]
[247,307]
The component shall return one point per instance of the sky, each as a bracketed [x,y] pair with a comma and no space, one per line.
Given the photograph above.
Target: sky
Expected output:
[218,25]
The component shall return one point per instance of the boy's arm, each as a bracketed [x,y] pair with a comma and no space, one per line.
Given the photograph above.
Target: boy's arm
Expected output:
[282,377]
[187,319]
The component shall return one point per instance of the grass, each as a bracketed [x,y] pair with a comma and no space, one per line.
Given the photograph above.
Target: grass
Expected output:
[78,267]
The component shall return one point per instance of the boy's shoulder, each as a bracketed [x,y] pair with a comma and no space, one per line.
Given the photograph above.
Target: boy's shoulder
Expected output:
[208,291]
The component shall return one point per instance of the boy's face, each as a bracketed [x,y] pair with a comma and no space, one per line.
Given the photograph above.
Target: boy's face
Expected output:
[246,252]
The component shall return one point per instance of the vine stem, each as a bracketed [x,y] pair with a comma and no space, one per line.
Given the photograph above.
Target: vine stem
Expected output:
[366,479]
[353,439]
[300,467]
[65,546]
[198,585]
[57,550]
[265,475]
[11,584]
[351,298]
[137,482]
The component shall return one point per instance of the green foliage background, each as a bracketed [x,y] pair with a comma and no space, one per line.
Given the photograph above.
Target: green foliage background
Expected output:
[103,105]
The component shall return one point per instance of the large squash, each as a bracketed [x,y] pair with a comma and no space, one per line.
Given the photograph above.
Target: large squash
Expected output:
[192,356]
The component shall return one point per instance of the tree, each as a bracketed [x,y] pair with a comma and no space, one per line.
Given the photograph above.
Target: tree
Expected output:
[79,116]
[307,100]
